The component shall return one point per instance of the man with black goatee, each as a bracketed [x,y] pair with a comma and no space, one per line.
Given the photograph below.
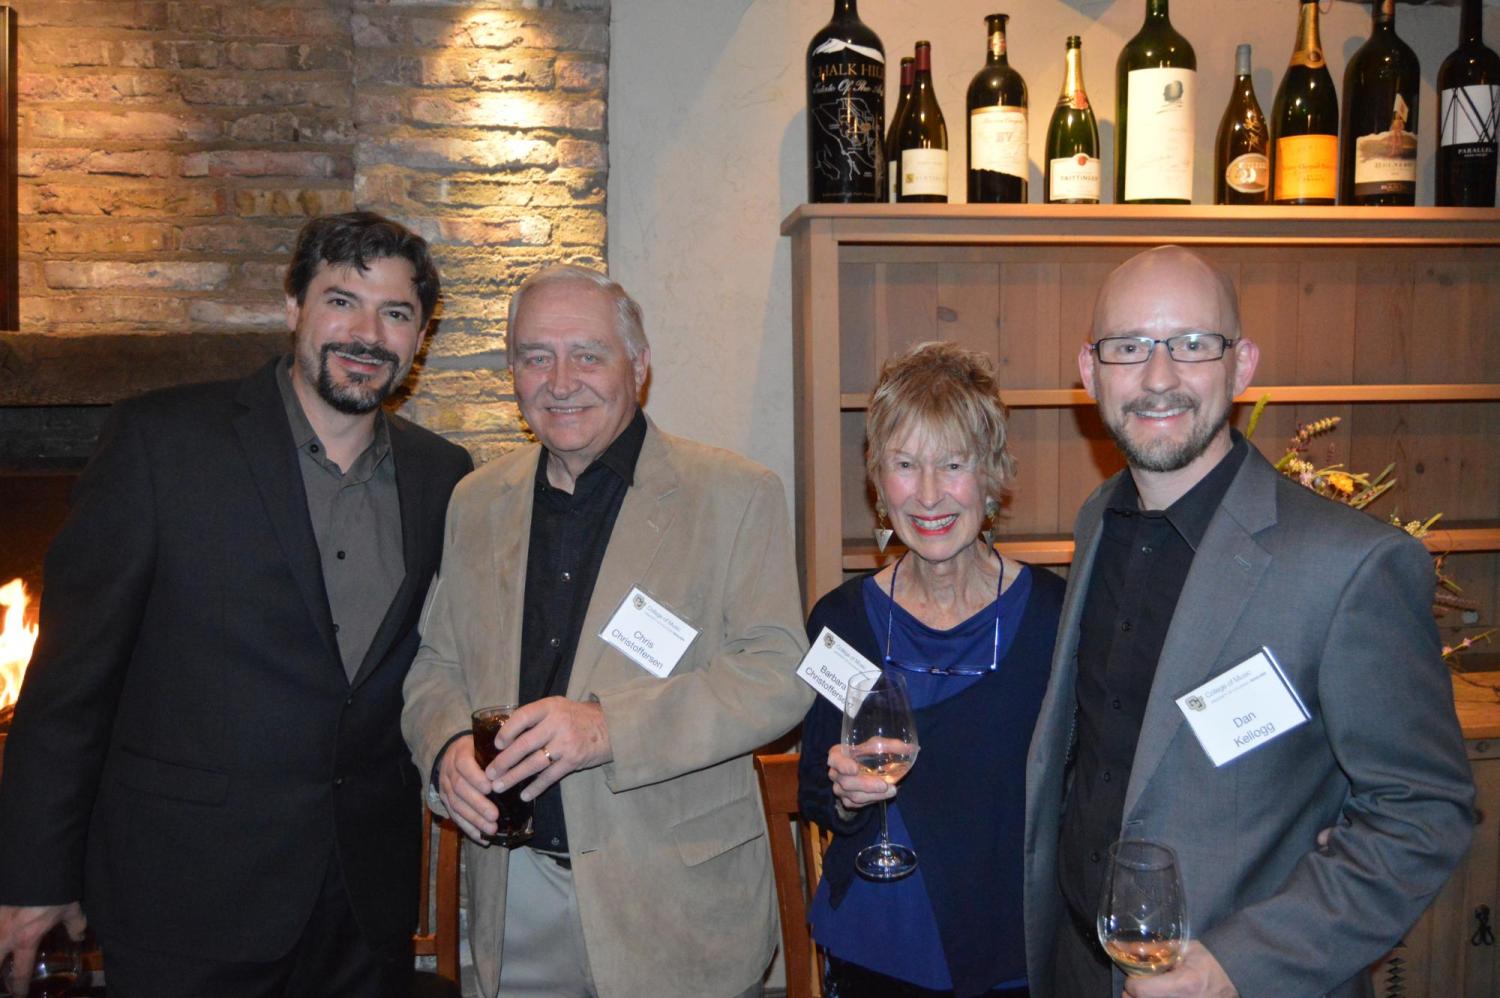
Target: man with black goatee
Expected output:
[206,761]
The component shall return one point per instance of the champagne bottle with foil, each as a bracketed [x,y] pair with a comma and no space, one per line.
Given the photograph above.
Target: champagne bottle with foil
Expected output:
[1468,86]
[1073,174]
[845,110]
[1242,164]
[1305,122]
[923,138]
[999,166]
[1156,87]
[1378,131]
[892,147]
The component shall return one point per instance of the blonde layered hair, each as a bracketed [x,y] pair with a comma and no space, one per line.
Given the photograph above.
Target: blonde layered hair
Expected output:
[949,396]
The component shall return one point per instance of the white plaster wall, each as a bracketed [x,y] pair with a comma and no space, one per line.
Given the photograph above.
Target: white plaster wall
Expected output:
[707,146]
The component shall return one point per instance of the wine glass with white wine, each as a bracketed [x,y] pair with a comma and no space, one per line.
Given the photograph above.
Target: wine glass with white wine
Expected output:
[1142,913]
[881,736]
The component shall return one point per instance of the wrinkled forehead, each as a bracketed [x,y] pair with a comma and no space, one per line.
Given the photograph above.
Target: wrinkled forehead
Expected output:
[573,309]
[1160,299]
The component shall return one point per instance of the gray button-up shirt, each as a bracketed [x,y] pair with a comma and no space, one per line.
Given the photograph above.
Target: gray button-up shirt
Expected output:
[356,518]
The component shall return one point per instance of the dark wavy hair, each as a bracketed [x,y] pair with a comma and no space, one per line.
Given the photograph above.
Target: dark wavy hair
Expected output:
[354,239]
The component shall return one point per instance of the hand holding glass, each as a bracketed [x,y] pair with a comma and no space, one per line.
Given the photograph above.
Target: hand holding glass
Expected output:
[881,736]
[56,969]
[1142,915]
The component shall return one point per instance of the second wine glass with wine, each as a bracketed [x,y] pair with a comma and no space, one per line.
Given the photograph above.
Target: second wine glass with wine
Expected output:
[881,735]
[1143,923]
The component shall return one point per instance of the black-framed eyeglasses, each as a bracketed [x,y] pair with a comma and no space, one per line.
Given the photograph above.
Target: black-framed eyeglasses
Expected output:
[942,670]
[1185,348]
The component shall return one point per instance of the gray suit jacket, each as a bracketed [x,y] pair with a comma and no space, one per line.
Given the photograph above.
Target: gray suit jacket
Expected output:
[1344,603]
[668,843]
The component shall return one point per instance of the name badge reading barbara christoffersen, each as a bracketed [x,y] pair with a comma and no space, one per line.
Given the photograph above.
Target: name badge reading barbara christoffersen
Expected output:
[1242,708]
[830,665]
[648,634]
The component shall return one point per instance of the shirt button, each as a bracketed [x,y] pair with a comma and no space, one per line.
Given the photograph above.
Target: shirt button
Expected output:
[1094,856]
[1145,549]
[1115,703]
[554,642]
[341,556]
[1106,777]
[313,448]
[1126,626]
[335,628]
[556,841]
[338,781]
[567,576]
[349,702]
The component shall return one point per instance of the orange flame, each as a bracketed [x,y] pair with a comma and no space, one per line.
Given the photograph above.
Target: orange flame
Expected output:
[16,640]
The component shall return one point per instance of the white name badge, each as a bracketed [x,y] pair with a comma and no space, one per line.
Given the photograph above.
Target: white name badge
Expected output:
[1243,708]
[830,664]
[648,634]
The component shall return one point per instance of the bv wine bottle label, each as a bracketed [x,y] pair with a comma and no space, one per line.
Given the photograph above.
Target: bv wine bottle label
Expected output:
[924,171]
[1076,178]
[999,137]
[1307,166]
[1159,154]
[1249,174]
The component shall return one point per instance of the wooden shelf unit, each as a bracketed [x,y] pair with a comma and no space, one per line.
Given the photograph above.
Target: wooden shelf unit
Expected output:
[1388,318]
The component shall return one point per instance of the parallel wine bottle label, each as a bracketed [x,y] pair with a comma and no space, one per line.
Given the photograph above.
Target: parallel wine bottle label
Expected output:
[1249,173]
[1387,161]
[999,138]
[1307,166]
[924,171]
[1159,145]
[1075,178]
[1469,116]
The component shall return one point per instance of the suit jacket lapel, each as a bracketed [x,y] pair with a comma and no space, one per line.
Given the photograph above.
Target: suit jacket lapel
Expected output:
[510,545]
[271,454]
[645,516]
[1227,566]
[412,493]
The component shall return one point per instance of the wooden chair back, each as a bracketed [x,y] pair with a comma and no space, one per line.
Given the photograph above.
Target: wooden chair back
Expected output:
[437,925]
[794,883]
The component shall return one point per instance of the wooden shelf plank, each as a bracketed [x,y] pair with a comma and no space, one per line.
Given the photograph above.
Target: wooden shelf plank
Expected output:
[1052,398]
[861,556]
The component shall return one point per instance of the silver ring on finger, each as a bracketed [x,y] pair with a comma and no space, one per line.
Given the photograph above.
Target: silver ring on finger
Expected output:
[548,756]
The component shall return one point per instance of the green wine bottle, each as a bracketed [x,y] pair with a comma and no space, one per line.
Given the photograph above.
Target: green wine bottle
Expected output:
[999,166]
[1242,164]
[1378,153]
[1073,175]
[923,138]
[1305,122]
[1156,84]
[893,167]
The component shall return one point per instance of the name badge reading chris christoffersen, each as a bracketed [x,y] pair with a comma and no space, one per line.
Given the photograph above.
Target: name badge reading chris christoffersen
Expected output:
[648,634]
[830,664]
[1243,708]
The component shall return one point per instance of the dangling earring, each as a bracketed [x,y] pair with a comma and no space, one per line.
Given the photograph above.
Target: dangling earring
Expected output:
[991,510]
[882,530]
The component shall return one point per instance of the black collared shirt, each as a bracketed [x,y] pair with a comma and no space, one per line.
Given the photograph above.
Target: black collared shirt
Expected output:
[1139,571]
[569,534]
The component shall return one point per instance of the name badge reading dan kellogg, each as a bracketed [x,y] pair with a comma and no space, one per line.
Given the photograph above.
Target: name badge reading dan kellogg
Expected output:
[1243,708]
[648,634]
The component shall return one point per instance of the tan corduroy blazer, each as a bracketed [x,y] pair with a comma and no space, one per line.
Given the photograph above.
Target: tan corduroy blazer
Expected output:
[668,841]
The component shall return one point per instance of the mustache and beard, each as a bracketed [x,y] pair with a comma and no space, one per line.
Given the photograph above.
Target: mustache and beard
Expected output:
[360,393]
[1162,455]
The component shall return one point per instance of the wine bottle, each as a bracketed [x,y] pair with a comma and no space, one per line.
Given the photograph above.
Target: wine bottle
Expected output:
[1305,122]
[1468,87]
[892,148]
[1378,132]
[845,110]
[1073,172]
[1156,83]
[1242,168]
[923,138]
[998,163]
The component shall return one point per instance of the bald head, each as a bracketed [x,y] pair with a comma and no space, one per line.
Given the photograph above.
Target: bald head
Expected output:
[1163,280]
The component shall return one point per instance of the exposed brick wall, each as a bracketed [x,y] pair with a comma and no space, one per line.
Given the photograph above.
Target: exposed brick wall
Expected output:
[170,149]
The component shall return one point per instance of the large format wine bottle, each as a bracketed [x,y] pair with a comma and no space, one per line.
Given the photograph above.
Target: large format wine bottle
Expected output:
[923,139]
[1242,165]
[845,110]
[1156,82]
[1072,163]
[1305,123]
[892,146]
[998,163]
[1468,112]
[1378,133]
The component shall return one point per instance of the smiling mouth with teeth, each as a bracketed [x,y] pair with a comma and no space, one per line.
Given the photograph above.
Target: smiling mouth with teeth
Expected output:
[941,523]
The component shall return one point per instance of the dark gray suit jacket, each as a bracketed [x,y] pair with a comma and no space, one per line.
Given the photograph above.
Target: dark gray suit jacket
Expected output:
[1344,603]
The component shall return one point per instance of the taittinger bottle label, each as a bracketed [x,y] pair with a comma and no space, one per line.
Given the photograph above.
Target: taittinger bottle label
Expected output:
[1074,178]
[1159,142]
